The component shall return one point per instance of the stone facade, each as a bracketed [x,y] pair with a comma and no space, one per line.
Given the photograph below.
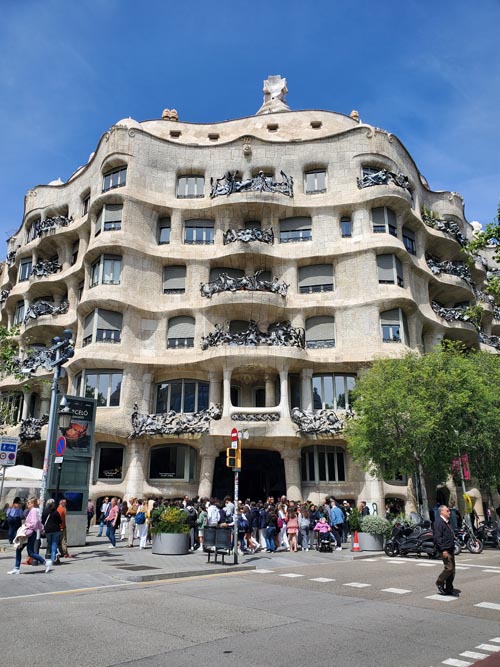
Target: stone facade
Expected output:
[142,234]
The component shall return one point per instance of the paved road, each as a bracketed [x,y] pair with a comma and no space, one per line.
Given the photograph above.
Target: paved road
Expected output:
[294,609]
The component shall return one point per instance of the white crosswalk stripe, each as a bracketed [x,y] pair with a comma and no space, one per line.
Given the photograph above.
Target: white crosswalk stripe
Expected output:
[322,579]
[291,575]
[488,605]
[356,584]
[456,663]
[428,564]
[398,591]
[262,571]
[474,654]
[488,647]
[441,598]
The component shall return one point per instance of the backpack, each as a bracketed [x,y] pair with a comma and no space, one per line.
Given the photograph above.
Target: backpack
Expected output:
[280,523]
[140,518]
[242,523]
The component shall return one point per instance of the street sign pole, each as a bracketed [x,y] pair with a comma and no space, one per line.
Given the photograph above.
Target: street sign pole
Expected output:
[235,517]
[4,468]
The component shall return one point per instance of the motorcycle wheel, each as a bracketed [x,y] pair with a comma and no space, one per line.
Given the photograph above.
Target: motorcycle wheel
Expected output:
[474,545]
[391,549]
[457,548]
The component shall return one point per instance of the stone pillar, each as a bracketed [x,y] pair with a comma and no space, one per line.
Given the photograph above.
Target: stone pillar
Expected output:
[176,227]
[226,395]
[134,478]
[214,388]
[26,404]
[44,399]
[291,459]
[207,468]
[284,402]
[270,391]
[306,401]
[373,492]
[146,393]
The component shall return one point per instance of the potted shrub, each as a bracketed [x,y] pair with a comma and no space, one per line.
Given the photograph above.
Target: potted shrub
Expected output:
[374,529]
[170,531]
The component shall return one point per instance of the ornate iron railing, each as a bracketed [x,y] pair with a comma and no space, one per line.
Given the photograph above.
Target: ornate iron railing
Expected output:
[278,334]
[173,423]
[225,283]
[231,183]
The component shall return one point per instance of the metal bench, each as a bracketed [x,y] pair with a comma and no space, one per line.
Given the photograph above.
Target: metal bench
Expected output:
[217,541]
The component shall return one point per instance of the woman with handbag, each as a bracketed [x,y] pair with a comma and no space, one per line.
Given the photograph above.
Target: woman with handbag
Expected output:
[30,528]
[52,521]
[14,518]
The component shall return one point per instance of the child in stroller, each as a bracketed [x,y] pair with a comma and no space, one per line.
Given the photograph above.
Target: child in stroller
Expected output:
[324,536]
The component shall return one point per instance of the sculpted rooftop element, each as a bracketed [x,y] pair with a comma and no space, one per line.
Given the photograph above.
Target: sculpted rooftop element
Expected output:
[232,183]
[11,257]
[384,177]
[31,428]
[45,308]
[320,422]
[45,267]
[450,227]
[274,91]
[48,225]
[278,334]
[173,423]
[266,417]
[170,114]
[247,235]
[226,283]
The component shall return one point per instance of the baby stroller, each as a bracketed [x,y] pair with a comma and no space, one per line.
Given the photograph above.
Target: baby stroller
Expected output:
[324,542]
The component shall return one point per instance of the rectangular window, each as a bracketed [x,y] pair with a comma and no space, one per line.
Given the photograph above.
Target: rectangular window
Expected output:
[315,182]
[332,392]
[163,231]
[182,396]
[25,269]
[199,232]
[19,315]
[174,280]
[85,204]
[106,271]
[191,187]
[109,219]
[74,252]
[316,278]
[384,221]
[110,462]
[102,326]
[345,228]
[114,179]
[105,386]
[295,230]
[391,323]
[409,241]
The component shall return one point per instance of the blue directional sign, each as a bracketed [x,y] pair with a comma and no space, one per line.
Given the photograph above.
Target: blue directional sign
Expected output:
[8,451]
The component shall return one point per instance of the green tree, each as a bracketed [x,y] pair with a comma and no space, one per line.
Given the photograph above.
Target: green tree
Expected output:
[489,237]
[9,365]
[417,413]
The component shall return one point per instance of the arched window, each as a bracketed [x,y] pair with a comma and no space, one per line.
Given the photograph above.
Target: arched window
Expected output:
[102,326]
[114,178]
[110,461]
[390,270]
[181,396]
[180,332]
[172,462]
[320,332]
[164,225]
[321,463]
[109,218]
[394,326]
[384,221]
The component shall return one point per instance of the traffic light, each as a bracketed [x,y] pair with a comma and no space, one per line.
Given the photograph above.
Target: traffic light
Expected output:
[233,457]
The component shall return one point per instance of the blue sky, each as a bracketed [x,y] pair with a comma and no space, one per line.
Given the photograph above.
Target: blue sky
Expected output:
[427,71]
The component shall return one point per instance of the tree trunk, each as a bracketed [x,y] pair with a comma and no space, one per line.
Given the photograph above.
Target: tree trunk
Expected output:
[423,491]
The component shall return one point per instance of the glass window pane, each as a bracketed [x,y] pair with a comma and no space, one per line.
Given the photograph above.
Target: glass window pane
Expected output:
[90,385]
[331,465]
[350,382]
[303,466]
[110,463]
[116,383]
[312,474]
[176,396]
[102,389]
[340,466]
[328,399]
[202,396]
[340,391]
[317,393]
[189,396]
[322,465]
[162,398]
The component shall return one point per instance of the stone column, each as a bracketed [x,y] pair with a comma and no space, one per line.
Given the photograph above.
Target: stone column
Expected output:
[207,468]
[176,227]
[291,459]
[270,391]
[26,404]
[134,478]
[306,388]
[284,402]
[146,393]
[214,388]
[226,395]
[44,399]
[373,492]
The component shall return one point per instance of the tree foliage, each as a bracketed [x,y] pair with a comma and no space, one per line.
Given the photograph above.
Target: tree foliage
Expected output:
[421,411]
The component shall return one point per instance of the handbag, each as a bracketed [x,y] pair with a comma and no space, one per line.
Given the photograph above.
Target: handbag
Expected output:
[140,518]
[21,537]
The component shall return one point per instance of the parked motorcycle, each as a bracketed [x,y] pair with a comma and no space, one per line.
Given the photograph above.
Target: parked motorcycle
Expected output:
[406,539]
[489,534]
[466,539]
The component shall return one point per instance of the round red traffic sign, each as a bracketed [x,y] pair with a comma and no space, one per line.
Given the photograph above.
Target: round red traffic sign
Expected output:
[60,446]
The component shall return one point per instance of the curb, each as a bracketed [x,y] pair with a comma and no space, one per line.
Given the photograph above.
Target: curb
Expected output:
[160,576]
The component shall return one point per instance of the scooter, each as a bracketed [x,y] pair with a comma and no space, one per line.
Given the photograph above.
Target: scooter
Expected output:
[466,539]
[489,534]
[406,540]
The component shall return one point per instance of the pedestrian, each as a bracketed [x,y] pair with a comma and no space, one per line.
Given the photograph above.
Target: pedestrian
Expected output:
[292,529]
[201,524]
[32,526]
[111,522]
[455,516]
[444,539]
[271,529]
[364,510]
[124,519]
[52,521]
[141,522]
[63,546]
[105,507]
[90,513]
[337,523]
[14,519]
[131,512]
[346,508]
[304,525]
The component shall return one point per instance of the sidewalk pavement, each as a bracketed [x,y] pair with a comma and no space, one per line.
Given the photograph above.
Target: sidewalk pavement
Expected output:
[96,565]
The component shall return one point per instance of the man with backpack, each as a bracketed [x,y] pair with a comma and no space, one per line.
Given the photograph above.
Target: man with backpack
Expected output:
[192,517]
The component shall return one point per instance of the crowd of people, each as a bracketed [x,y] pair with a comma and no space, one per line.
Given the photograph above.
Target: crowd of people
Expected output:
[273,525]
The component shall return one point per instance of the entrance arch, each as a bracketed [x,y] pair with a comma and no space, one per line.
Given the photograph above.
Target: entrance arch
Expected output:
[262,475]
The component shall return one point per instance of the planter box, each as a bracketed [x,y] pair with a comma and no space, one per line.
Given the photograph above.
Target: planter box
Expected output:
[172,544]
[368,542]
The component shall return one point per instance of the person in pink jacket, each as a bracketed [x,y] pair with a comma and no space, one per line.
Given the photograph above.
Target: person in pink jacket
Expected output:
[32,525]
[323,528]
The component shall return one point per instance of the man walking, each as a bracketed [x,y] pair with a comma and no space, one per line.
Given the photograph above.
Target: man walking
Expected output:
[337,523]
[444,539]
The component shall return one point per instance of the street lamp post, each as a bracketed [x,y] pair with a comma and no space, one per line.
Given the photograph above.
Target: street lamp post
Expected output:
[62,349]
[242,435]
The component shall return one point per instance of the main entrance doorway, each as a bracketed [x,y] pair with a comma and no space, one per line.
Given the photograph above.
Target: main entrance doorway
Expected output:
[262,475]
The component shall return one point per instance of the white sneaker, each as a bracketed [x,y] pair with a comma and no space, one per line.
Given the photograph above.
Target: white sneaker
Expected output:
[14,571]
[338,549]
[48,566]
[111,547]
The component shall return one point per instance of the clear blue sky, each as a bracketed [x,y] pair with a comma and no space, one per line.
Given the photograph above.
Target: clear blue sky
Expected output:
[427,71]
